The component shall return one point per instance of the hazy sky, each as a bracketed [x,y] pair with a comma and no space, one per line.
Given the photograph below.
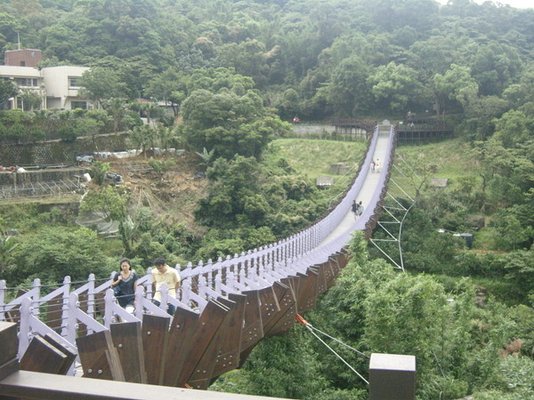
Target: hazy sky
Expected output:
[513,3]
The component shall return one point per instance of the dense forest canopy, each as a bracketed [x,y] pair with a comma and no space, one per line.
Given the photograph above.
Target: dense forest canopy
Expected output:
[307,57]
[234,73]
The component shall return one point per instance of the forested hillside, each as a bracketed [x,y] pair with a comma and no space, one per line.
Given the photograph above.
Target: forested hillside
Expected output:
[313,58]
[234,73]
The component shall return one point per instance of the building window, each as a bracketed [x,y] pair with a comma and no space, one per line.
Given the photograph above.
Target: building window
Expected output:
[27,82]
[23,63]
[74,82]
[78,104]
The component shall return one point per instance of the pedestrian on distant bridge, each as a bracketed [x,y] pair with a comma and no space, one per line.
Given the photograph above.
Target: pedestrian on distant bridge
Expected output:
[377,165]
[357,208]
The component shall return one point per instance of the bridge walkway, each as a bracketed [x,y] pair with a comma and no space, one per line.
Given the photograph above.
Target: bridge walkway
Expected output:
[370,190]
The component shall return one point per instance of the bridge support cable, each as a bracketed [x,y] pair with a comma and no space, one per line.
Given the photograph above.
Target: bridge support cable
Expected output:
[391,180]
[413,172]
[411,175]
[396,212]
[313,330]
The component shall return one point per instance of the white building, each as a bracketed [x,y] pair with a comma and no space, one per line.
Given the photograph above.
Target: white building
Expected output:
[62,87]
[58,87]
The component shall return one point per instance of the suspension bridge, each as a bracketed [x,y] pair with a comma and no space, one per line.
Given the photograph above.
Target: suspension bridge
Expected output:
[223,308]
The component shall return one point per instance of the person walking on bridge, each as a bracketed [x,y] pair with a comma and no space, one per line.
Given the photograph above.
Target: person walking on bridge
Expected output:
[376,165]
[163,274]
[357,208]
[360,208]
[123,285]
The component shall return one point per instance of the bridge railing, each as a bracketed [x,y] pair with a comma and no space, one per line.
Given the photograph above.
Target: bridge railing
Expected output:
[277,256]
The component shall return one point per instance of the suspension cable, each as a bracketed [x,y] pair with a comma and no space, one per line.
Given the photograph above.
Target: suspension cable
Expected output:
[339,341]
[310,328]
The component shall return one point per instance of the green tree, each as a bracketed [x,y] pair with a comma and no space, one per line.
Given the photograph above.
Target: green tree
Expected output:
[51,253]
[375,309]
[349,90]
[10,25]
[117,108]
[456,85]
[513,228]
[219,79]
[248,58]
[495,67]
[107,201]
[7,90]
[98,171]
[279,372]
[232,191]
[142,137]
[395,86]
[161,166]
[507,169]
[228,123]
[7,246]
[31,100]
[513,129]
[168,87]
[480,121]
[99,84]
[521,93]
[165,136]
[289,104]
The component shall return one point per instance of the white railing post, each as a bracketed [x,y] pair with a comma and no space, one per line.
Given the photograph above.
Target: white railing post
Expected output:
[230,279]
[227,267]
[109,315]
[65,312]
[200,269]
[24,325]
[270,256]
[36,296]
[164,291]
[218,277]
[188,270]
[72,321]
[209,273]
[149,285]
[245,267]
[91,296]
[139,293]
[186,289]
[179,291]
[3,289]
[283,251]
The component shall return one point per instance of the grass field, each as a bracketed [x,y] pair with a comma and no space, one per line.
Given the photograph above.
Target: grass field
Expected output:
[454,162]
[314,158]
[451,159]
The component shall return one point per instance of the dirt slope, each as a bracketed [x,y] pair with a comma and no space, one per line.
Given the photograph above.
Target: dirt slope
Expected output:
[172,194]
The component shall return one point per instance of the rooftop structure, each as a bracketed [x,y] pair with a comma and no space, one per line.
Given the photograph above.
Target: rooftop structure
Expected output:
[23,57]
